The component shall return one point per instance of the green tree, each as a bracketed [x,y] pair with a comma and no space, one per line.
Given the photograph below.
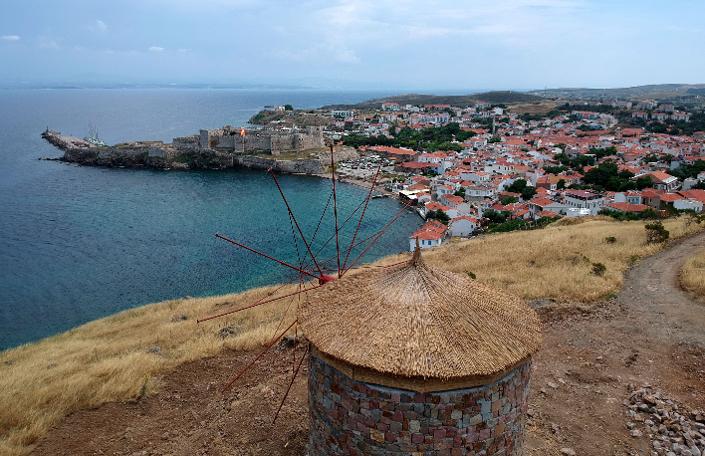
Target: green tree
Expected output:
[438,215]
[520,186]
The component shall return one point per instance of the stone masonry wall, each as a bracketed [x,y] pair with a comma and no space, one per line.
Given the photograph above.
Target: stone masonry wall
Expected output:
[355,418]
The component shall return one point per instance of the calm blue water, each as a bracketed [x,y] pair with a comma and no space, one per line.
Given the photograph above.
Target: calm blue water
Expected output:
[79,243]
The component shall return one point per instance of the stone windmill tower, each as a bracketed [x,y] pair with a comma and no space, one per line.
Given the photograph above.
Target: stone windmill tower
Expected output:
[412,359]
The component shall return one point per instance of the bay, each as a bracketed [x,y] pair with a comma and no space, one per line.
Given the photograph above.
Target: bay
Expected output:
[80,243]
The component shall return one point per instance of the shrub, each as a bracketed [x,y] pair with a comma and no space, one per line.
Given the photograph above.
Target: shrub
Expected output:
[471,275]
[656,233]
[599,269]
[610,239]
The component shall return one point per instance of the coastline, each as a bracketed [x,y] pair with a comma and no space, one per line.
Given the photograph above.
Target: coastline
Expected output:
[188,153]
[360,183]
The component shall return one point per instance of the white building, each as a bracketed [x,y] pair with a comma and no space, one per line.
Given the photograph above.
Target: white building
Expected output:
[431,234]
[688,205]
[463,226]
[583,199]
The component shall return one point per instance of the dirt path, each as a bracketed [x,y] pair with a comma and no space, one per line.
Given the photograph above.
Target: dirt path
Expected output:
[652,333]
[672,314]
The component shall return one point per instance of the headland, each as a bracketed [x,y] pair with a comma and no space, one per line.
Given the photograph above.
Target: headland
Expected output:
[287,150]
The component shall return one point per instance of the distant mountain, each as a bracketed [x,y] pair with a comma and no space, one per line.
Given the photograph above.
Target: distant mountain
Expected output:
[496,97]
[658,92]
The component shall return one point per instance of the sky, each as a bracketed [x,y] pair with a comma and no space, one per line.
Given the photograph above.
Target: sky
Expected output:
[354,44]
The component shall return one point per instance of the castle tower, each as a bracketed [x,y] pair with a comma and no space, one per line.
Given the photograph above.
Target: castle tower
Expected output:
[413,359]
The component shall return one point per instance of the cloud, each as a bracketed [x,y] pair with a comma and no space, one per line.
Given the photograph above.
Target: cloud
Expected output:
[10,37]
[100,26]
[155,49]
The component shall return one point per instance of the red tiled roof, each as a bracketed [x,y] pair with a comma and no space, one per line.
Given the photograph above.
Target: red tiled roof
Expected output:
[696,194]
[417,165]
[661,176]
[671,197]
[432,230]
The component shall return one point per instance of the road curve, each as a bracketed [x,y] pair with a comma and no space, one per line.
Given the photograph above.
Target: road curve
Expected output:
[651,293]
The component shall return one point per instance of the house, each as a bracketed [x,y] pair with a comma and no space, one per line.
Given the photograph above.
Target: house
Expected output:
[583,199]
[548,181]
[540,204]
[451,200]
[652,197]
[634,197]
[431,234]
[695,194]
[476,191]
[664,181]
[475,176]
[687,204]
[627,207]
[669,199]
[463,226]
[415,167]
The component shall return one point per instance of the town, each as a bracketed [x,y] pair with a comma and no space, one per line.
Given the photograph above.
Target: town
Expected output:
[484,168]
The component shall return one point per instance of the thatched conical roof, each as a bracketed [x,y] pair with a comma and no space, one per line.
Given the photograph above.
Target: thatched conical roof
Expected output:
[413,320]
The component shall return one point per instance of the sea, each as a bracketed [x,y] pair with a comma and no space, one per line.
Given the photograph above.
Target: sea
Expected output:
[80,243]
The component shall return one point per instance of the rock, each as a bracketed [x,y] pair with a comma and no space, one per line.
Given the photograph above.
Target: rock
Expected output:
[695,451]
[636,433]
[568,452]
[229,331]
[552,385]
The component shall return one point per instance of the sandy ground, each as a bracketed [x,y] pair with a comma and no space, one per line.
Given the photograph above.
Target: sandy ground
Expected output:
[651,333]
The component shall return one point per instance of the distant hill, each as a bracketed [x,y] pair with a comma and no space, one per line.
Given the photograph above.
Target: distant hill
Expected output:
[496,97]
[658,92]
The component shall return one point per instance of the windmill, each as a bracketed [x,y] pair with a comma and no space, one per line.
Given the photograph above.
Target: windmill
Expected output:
[312,272]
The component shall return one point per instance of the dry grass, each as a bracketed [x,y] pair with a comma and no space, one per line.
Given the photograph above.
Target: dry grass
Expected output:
[557,262]
[119,357]
[692,276]
[116,358]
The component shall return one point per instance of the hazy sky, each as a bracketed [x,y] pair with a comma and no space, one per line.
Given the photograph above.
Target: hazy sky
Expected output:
[472,44]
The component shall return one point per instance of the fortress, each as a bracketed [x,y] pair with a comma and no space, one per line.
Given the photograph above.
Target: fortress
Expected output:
[266,140]
[222,148]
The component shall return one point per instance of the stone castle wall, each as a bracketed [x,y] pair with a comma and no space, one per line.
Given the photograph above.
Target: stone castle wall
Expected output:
[349,417]
[257,141]
[186,153]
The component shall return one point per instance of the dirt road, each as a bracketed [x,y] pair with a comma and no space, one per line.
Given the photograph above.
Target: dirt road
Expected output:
[653,295]
[651,333]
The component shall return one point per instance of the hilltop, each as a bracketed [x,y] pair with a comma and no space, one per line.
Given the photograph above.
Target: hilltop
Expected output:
[655,91]
[131,356]
[495,97]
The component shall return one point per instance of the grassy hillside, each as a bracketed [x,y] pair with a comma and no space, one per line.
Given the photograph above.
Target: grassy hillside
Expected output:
[659,91]
[496,97]
[692,275]
[120,357]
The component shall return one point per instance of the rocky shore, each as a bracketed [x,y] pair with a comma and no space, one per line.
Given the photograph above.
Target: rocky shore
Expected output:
[184,154]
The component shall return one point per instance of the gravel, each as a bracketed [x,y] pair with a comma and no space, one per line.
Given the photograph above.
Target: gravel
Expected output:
[672,429]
